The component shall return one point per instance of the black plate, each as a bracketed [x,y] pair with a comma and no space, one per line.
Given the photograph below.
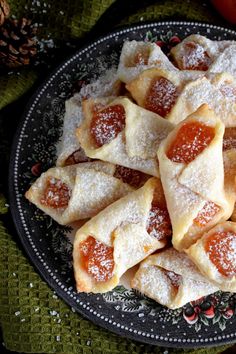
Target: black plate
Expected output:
[209,321]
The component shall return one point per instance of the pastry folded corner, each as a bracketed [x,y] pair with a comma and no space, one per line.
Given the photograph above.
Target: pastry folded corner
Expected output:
[172,279]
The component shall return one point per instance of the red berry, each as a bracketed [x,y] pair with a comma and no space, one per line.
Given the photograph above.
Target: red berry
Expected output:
[228,313]
[174,40]
[191,319]
[36,169]
[210,313]
[160,44]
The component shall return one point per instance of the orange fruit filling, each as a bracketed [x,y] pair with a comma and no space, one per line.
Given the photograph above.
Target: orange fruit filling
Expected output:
[195,58]
[173,278]
[97,259]
[76,157]
[132,177]
[141,57]
[158,223]
[221,249]
[56,194]
[191,139]
[209,210]
[161,96]
[229,140]
[107,124]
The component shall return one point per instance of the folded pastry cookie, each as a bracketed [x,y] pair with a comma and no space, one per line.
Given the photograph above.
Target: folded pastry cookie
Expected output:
[119,237]
[175,95]
[215,255]
[123,133]
[172,279]
[192,174]
[77,192]
[197,52]
[69,151]
[137,56]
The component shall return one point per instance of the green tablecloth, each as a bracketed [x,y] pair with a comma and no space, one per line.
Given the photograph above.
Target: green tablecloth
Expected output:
[33,318]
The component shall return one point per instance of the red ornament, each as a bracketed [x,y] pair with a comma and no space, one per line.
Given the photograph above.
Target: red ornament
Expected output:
[227,9]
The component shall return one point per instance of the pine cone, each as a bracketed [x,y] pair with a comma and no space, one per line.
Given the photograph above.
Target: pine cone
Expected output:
[17,43]
[4,11]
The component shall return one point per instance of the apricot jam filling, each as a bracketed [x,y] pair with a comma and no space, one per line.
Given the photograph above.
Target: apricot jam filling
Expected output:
[195,58]
[221,249]
[132,177]
[97,259]
[158,223]
[209,210]
[140,57]
[174,278]
[107,124]
[76,157]
[161,96]
[229,140]
[191,139]
[56,194]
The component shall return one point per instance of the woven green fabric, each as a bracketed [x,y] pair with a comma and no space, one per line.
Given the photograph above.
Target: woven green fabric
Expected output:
[169,9]
[32,318]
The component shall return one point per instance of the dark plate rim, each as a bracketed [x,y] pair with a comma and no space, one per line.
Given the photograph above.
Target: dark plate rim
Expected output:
[16,217]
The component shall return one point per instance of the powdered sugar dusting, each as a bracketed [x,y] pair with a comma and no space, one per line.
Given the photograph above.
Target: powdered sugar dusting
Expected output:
[195,57]
[94,191]
[104,86]
[202,91]
[152,282]
[117,154]
[161,96]
[225,62]
[130,66]
[229,91]
[174,278]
